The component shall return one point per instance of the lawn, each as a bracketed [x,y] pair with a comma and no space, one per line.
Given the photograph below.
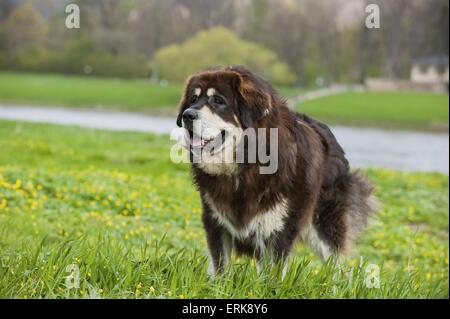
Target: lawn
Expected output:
[388,109]
[112,205]
[81,91]
[405,110]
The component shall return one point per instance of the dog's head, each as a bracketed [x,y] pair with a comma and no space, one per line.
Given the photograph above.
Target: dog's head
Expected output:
[234,94]
[219,104]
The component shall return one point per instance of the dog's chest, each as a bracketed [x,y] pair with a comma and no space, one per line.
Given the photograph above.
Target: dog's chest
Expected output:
[262,225]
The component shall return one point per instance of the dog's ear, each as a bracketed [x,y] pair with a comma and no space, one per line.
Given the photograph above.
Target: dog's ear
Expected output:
[253,102]
[184,101]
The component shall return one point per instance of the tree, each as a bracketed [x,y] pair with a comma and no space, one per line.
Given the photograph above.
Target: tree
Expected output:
[24,28]
[219,47]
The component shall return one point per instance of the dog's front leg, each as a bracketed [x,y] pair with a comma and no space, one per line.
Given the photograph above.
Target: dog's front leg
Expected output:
[219,243]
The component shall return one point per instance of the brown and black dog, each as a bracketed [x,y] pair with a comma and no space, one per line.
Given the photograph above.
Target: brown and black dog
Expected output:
[311,195]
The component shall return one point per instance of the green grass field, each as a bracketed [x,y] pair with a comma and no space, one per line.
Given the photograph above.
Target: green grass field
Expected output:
[114,205]
[388,109]
[82,91]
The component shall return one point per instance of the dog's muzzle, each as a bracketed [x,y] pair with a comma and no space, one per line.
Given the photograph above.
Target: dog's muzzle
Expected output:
[189,116]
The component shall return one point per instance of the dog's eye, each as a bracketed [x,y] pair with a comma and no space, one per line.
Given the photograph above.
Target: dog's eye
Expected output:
[194,99]
[217,100]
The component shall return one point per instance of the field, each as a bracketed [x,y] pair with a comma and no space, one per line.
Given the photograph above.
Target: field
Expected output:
[106,93]
[80,91]
[113,205]
[386,109]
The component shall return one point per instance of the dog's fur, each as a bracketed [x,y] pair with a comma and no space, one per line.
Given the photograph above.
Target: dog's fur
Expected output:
[313,195]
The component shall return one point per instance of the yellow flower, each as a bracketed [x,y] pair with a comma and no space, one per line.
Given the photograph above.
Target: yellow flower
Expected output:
[181,296]
[152,289]
[3,203]
[17,184]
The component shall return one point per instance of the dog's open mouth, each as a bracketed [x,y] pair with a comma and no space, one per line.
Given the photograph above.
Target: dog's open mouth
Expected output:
[201,142]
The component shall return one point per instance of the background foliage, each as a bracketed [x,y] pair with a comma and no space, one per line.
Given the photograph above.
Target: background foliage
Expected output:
[317,39]
[219,46]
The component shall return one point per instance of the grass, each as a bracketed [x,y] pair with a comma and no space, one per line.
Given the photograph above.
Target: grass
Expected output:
[82,91]
[386,109]
[114,205]
[107,93]
[390,109]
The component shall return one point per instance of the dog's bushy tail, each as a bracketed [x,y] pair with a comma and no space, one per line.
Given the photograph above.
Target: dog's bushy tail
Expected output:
[361,205]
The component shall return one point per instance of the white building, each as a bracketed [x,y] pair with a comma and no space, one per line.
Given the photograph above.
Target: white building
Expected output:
[430,70]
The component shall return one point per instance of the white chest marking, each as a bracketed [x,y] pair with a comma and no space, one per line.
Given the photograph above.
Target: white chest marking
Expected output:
[262,226]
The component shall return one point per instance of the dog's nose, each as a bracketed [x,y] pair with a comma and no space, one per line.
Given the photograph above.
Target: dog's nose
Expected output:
[190,115]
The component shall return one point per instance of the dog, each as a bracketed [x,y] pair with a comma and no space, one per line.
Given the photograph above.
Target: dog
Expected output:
[312,195]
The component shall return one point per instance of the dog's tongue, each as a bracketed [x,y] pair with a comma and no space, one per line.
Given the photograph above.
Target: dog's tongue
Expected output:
[196,141]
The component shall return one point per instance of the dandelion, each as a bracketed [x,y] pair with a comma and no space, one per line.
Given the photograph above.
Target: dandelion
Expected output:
[139,285]
[152,289]
[3,203]
[181,296]
[18,184]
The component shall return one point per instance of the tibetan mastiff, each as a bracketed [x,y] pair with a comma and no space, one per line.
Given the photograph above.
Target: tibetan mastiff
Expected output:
[258,203]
